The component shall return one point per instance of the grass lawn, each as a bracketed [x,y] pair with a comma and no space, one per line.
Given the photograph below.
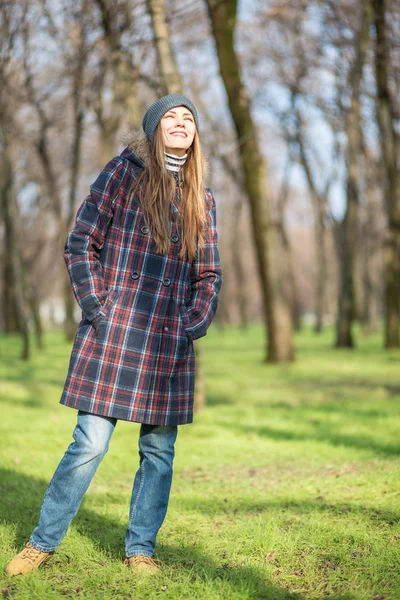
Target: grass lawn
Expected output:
[286,486]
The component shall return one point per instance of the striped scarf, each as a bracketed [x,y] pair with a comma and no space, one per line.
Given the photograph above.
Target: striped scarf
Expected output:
[174,163]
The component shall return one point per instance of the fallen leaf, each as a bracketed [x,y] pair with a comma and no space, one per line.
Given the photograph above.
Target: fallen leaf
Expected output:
[270,556]
[296,573]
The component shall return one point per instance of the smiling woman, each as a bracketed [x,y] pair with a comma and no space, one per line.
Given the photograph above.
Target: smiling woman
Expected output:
[178,130]
[144,267]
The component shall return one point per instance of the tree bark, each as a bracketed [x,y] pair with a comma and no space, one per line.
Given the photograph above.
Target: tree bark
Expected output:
[80,56]
[124,104]
[277,310]
[10,316]
[389,139]
[287,249]
[171,82]
[347,239]
[37,321]
[318,204]
[44,154]
[10,233]
[239,267]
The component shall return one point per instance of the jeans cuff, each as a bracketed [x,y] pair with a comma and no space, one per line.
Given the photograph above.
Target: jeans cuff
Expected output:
[139,553]
[42,548]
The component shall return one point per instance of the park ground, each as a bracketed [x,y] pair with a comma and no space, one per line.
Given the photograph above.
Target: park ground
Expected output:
[286,486]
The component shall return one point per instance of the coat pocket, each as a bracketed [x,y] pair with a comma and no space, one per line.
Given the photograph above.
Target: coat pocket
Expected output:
[100,321]
[186,322]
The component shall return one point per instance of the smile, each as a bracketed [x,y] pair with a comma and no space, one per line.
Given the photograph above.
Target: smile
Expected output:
[178,133]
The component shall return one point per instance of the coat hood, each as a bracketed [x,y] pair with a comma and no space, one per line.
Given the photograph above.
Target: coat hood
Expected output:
[137,148]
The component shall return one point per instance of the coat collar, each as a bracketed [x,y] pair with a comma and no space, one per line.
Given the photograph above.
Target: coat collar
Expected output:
[137,150]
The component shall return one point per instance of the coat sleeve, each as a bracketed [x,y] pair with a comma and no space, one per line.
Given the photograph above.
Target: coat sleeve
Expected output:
[205,277]
[86,239]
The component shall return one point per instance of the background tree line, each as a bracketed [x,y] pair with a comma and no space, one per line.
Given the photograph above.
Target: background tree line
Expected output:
[300,120]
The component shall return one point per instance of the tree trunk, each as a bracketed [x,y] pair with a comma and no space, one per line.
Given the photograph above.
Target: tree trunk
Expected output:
[370,245]
[43,151]
[78,124]
[276,307]
[124,104]
[171,81]
[238,267]
[321,271]
[389,148]
[10,234]
[318,204]
[290,274]
[10,317]
[346,303]
[348,236]
[37,321]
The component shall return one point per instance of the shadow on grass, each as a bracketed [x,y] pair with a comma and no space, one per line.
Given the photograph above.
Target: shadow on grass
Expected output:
[333,408]
[323,432]
[342,385]
[26,376]
[21,499]
[216,506]
[218,399]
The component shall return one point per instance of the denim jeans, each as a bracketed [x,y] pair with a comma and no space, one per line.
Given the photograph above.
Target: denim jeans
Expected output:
[151,486]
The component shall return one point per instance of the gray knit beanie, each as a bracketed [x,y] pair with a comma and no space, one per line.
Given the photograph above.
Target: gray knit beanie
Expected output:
[157,110]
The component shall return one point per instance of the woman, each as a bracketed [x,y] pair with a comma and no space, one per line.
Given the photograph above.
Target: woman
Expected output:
[144,266]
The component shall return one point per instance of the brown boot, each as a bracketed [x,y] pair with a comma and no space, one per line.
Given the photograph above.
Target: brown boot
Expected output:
[142,564]
[28,560]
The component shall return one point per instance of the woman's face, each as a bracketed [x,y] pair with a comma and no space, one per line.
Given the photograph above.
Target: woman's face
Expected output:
[178,129]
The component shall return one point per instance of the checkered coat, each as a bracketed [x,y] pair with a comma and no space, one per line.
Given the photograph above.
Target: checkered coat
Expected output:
[133,356]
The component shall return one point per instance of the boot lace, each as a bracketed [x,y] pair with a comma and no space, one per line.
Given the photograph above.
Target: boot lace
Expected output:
[31,553]
[143,559]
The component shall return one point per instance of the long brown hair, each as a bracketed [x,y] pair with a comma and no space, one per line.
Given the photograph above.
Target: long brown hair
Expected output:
[158,189]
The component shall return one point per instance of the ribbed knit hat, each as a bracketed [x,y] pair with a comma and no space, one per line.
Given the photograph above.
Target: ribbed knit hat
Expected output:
[157,110]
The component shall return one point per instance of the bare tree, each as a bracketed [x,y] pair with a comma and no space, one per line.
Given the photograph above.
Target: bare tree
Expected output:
[347,230]
[171,82]
[283,199]
[390,147]
[277,308]
[11,19]
[115,61]
[75,61]
[78,62]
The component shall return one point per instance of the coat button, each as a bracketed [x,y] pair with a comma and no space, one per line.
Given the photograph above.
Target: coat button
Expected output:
[174,237]
[166,281]
[144,229]
[135,275]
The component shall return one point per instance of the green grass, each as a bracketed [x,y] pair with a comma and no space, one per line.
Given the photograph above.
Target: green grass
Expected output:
[286,486]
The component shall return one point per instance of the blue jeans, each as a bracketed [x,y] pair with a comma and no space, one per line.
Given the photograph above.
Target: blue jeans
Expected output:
[151,486]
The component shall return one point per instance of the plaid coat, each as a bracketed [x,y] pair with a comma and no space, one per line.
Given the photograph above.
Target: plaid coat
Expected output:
[133,356]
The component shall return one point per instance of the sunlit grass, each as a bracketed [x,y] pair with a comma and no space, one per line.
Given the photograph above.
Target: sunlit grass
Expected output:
[286,486]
